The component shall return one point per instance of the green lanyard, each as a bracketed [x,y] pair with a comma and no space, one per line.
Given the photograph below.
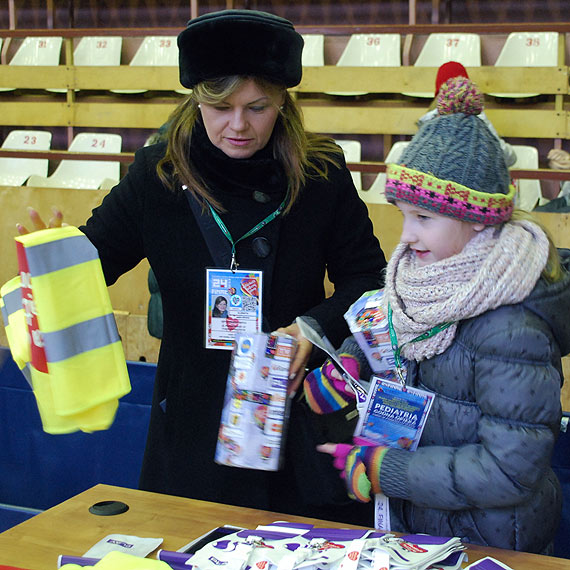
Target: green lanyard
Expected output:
[397,349]
[234,264]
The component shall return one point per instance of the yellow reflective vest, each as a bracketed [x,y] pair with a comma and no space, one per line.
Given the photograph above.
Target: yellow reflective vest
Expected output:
[62,333]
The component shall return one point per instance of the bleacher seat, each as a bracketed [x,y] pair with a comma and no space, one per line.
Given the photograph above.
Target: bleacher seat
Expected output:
[96,51]
[15,171]
[528,191]
[154,51]
[313,51]
[442,47]
[370,50]
[375,194]
[352,153]
[528,49]
[84,174]
[37,51]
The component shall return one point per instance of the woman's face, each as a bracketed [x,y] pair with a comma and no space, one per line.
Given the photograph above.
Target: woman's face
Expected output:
[222,306]
[242,124]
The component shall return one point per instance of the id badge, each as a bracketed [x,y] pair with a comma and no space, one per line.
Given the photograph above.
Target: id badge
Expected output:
[395,415]
[232,306]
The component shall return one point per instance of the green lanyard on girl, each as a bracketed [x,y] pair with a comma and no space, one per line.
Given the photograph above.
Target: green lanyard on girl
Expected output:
[234,264]
[398,349]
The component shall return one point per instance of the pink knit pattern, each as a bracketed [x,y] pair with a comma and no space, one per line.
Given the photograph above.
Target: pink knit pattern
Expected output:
[447,197]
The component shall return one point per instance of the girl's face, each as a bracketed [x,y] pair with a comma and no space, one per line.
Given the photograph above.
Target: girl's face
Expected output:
[242,124]
[222,305]
[433,237]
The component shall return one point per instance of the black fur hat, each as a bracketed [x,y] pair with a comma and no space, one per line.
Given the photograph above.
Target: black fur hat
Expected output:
[240,42]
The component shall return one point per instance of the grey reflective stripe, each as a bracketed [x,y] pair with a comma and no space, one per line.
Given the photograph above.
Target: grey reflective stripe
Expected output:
[51,256]
[4,315]
[79,338]
[27,372]
[13,301]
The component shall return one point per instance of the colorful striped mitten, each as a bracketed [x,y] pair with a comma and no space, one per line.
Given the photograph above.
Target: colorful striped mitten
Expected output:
[324,392]
[362,471]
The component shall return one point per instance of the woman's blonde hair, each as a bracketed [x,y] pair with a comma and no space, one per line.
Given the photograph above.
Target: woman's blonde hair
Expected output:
[553,271]
[303,155]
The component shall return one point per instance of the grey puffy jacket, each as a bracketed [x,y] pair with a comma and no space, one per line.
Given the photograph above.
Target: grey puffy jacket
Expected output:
[482,470]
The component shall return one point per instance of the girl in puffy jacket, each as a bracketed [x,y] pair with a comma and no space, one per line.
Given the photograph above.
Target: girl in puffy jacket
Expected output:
[482,469]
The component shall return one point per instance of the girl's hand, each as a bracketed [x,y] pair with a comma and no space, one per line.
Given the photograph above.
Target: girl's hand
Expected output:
[56,221]
[326,391]
[339,451]
[302,354]
[360,465]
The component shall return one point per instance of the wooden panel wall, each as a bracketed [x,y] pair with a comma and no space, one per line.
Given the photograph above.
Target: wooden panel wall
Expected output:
[157,13]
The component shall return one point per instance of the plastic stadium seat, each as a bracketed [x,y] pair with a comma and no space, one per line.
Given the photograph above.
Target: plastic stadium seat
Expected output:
[313,50]
[352,152]
[84,174]
[375,194]
[440,48]
[15,171]
[154,51]
[528,191]
[96,51]
[528,49]
[370,50]
[37,51]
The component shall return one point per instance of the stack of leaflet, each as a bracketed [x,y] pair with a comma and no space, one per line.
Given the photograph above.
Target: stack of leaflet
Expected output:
[283,546]
[419,551]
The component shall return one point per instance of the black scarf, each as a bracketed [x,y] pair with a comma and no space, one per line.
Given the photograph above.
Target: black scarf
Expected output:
[259,179]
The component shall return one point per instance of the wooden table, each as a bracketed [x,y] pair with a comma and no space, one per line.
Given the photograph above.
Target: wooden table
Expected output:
[69,528]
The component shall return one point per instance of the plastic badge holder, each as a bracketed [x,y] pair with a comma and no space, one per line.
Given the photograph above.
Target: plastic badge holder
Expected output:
[394,417]
[256,406]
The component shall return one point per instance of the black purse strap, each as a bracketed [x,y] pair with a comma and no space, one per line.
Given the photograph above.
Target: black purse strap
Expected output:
[218,246]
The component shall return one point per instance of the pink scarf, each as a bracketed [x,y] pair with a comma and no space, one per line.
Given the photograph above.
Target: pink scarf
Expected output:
[499,266]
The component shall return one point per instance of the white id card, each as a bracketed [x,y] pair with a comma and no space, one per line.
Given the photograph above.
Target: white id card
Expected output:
[232,306]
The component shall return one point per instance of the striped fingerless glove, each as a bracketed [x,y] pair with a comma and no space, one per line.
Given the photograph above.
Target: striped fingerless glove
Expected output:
[362,472]
[324,392]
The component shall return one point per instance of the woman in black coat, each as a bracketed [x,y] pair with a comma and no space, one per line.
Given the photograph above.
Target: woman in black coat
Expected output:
[236,152]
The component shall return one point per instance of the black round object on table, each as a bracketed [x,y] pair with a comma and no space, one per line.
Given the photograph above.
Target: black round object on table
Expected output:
[108,508]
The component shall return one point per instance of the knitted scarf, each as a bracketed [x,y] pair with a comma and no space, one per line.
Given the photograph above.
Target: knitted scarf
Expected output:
[499,266]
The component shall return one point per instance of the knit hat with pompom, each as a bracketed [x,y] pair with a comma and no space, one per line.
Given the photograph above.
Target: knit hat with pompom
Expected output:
[454,165]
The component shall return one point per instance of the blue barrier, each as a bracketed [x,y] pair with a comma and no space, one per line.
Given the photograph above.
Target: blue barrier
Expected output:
[39,470]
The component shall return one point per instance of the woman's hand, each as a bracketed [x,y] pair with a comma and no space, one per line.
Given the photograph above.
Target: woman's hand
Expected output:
[56,221]
[302,354]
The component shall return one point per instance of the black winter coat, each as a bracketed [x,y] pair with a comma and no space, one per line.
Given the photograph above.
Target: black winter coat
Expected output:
[328,229]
